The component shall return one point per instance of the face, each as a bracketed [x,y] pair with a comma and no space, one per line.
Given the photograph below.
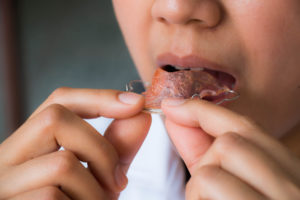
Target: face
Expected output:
[257,42]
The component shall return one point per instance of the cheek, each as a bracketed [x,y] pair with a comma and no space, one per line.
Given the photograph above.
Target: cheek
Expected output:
[270,32]
[134,17]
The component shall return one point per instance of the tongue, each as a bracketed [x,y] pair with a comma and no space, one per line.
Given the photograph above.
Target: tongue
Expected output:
[185,84]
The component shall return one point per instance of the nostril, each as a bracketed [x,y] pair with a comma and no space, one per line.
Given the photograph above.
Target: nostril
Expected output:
[172,11]
[207,13]
[161,19]
[198,21]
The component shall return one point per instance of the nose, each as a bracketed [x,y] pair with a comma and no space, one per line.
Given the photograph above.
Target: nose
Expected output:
[207,13]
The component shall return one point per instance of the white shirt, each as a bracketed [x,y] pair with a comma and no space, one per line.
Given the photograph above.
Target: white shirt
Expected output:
[157,172]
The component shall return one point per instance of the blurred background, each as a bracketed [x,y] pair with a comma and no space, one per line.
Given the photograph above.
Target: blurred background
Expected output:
[48,44]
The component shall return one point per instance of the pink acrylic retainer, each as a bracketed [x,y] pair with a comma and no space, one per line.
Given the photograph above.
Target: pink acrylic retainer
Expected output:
[181,84]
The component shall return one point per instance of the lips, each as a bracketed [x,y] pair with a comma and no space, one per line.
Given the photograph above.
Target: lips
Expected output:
[170,62]
[189,77]
[185,82]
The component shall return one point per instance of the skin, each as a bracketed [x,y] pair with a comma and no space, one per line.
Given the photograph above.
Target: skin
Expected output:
[31,165]
[232,152]
[258,41]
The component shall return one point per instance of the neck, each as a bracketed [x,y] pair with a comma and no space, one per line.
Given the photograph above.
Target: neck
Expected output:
[291,140]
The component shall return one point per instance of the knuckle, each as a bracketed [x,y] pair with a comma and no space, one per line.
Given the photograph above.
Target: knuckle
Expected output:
[201,179]
[50,193]
[207,173]
[64,163]
[57,93]
[227,143]
[53,115]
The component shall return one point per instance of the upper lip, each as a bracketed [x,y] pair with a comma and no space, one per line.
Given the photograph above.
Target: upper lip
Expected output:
[189,61]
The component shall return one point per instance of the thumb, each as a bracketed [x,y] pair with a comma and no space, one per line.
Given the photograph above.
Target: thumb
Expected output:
[127,136]
[190,142]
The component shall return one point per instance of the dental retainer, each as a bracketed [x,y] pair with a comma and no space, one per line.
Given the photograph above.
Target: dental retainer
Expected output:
[181,84]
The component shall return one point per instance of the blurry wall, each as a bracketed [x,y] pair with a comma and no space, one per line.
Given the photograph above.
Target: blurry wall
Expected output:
[2,127]
[72,43]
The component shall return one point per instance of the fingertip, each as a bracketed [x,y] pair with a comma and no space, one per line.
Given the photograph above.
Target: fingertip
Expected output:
[133,102]
[178,111]
[173,102]
[123,105]
[169,105]
[130,98]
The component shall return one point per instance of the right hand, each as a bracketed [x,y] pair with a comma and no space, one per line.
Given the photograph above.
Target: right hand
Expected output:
[31,167]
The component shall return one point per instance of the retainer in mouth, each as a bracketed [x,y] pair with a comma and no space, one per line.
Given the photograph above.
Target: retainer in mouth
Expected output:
[184,83]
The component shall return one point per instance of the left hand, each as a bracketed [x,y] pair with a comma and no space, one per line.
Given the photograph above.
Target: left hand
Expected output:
[229,156]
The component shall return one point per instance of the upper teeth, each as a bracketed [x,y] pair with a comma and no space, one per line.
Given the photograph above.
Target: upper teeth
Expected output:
[179,68]
[197,69]
[192,69]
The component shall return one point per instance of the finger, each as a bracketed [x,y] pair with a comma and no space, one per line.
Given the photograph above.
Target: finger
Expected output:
[49,192]
[54,127]
[212,182]
[61,169]
[216,121]
[92,103]
[190,142]
[251,164]
[127,135]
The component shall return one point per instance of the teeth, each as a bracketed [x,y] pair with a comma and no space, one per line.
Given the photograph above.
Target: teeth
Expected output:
[197,69]
[186,68]
[179,68]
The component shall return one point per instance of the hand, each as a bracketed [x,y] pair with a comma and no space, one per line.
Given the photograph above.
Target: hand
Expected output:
[31,167]
[229,157]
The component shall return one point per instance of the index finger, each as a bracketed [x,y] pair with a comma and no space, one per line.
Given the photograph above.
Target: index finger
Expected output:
[209,119]
[92,103]
[213,119]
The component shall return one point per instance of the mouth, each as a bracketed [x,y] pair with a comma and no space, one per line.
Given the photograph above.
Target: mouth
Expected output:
[170,62]
[189,77]
[222,78]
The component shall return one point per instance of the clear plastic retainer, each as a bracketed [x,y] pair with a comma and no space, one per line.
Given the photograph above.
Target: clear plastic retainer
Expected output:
[139,87]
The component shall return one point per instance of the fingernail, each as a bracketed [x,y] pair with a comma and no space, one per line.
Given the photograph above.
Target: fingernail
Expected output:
[129,97]
[121,178]
[173,102]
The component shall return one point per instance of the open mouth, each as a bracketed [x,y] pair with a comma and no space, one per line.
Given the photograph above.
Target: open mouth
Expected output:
[188,83]
[185,83]
[222,78]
